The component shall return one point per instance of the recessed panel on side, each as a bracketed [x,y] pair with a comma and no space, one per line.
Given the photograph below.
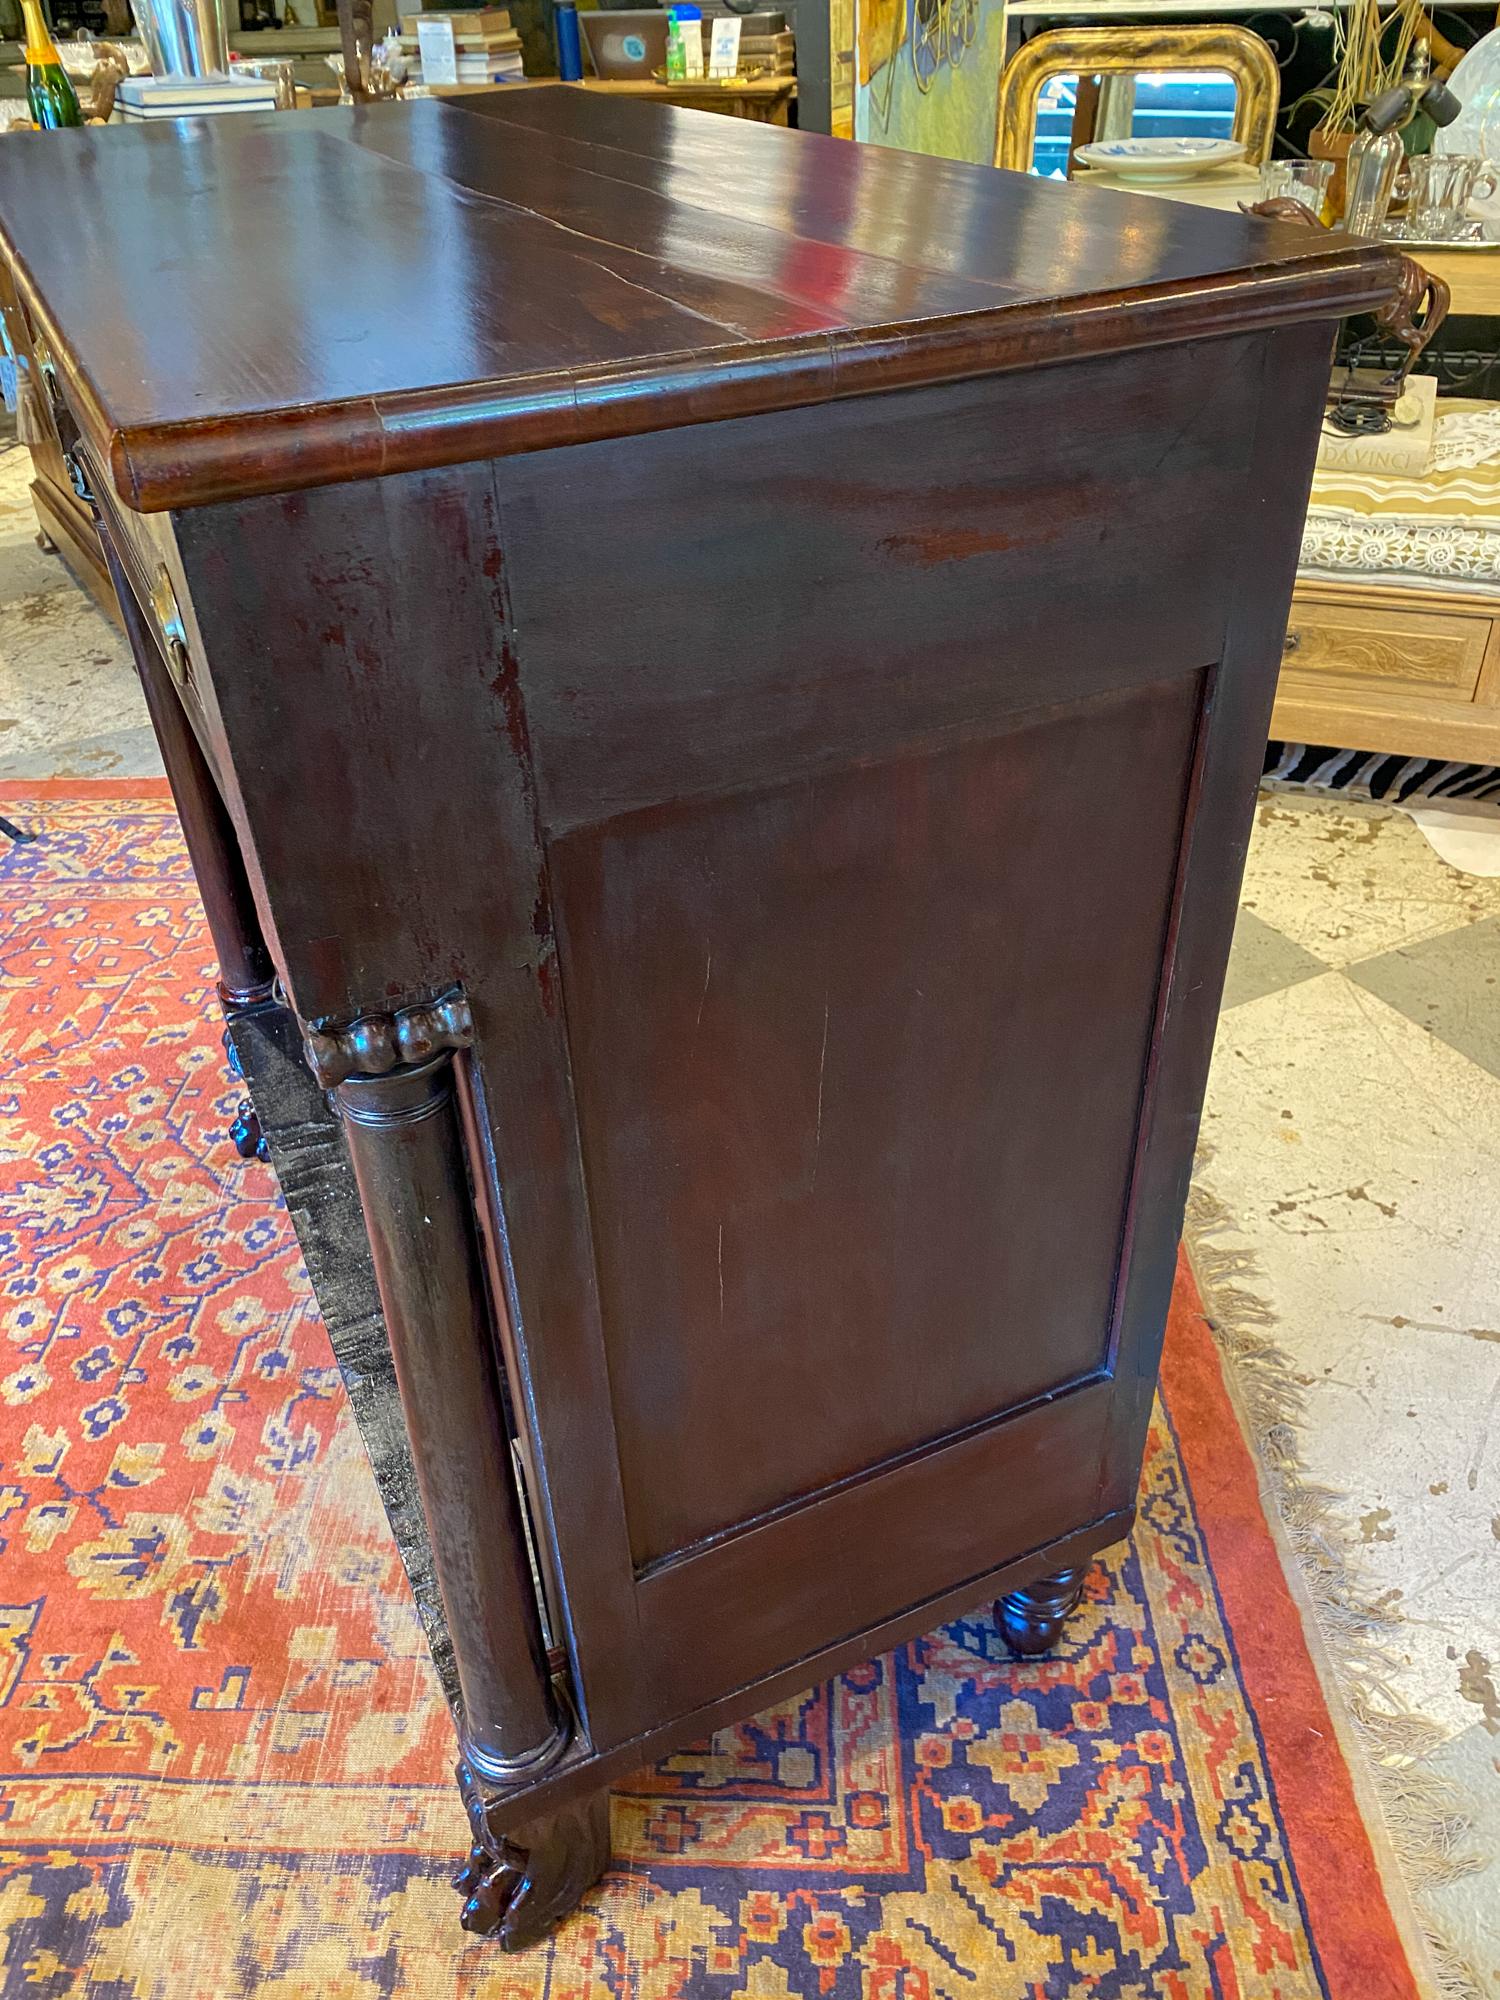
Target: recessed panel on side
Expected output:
[858,1064]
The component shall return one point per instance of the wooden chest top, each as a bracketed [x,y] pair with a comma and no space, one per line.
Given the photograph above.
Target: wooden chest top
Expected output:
[252,304]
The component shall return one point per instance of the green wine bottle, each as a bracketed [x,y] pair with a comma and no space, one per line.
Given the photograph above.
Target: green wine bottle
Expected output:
[52,98]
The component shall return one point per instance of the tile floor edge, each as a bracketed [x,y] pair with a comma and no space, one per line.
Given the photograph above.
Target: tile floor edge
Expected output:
[1426,1827]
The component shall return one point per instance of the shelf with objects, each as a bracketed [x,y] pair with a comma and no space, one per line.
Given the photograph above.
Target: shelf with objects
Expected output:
[738,57]
[91,32]
[1394,644]
[780,56]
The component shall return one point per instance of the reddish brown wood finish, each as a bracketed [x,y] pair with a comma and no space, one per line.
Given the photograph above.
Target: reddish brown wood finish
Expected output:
[1049,587]
[801,683]
[402,1132]
[541,268]
[863,927]
[245,970]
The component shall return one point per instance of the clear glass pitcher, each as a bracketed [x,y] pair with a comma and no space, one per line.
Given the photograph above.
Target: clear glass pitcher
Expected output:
[1439,188]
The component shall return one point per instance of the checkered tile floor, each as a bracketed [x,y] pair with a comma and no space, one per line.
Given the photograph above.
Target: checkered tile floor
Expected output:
[1353,1132]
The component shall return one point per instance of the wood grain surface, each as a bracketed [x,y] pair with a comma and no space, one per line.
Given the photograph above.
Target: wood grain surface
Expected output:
[247,305]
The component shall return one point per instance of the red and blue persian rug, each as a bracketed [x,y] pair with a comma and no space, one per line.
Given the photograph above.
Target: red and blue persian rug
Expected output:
[224,1756]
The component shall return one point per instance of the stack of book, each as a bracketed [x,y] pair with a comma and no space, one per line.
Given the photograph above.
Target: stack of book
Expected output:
[141,98]
[1405,449]
[486,47]
[769,55]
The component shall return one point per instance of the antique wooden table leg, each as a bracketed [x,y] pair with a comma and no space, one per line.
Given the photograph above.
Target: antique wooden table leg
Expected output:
[1032,1618]
[404,1140]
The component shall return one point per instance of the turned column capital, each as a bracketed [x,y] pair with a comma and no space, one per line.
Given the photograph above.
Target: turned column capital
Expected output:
[402,1097]
[375,1044]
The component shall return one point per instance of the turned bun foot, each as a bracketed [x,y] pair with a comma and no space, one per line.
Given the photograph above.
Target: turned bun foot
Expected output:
[1031,1619]
[517,1885]
[245,1134]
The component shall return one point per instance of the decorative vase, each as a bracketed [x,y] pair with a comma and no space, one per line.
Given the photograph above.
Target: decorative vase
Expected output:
[183,37]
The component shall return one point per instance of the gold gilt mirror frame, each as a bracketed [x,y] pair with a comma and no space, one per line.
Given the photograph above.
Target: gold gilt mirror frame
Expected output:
[1113,51]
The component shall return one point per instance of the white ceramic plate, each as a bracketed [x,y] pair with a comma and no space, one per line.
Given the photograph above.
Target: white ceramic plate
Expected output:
[1160,159]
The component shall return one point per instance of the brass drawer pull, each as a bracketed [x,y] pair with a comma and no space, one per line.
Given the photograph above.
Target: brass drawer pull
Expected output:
[1292,642]
[169,625]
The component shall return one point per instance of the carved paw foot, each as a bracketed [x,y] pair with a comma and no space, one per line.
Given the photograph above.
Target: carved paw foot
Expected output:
[45,542]
[489,1884]
[245,1133]
[1031,1619]
[517,1885]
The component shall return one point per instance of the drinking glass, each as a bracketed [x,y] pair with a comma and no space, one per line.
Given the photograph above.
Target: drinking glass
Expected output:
[1304,180]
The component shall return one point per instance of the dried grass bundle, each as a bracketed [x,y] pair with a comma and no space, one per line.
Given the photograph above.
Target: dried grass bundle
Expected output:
[1364,70]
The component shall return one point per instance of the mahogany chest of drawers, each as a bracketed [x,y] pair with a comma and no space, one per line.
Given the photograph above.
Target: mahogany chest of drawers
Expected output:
[720,676]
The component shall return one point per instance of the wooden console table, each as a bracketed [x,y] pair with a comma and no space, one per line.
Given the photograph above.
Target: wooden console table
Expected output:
[766,99]
[732,721]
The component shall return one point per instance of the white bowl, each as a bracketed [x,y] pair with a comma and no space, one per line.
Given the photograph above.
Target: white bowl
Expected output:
[1160,159]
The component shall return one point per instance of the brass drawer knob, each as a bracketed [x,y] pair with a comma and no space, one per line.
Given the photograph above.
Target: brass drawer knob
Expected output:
[1292,642]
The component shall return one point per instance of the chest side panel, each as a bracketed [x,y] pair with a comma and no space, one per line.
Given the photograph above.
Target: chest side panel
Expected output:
[713,610]
[865,750]
[858,1062]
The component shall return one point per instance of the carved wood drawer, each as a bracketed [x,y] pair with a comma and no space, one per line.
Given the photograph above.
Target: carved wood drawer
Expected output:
[1422,651]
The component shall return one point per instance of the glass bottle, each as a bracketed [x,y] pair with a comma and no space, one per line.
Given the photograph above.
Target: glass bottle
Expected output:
[1374,161]
[51,97]
[676,53]
[569,47]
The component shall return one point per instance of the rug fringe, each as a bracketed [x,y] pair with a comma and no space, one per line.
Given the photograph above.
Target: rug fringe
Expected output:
[1430,1832]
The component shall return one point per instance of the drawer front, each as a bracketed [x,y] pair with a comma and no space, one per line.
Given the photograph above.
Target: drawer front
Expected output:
[1420,651]
[147,554]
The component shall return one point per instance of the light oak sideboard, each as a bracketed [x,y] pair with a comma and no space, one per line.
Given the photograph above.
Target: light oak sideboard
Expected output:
[1386,667]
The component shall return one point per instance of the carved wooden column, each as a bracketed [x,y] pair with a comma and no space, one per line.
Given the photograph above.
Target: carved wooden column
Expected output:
[393,1084]
[403,1137]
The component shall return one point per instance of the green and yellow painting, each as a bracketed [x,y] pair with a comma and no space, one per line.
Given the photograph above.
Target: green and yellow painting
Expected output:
[928,75]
